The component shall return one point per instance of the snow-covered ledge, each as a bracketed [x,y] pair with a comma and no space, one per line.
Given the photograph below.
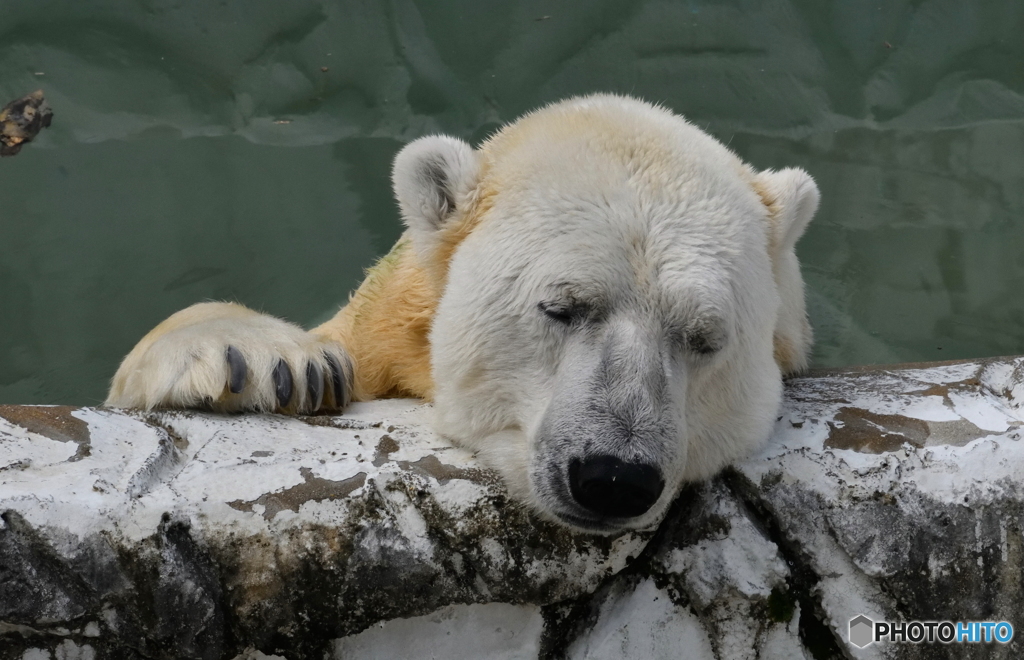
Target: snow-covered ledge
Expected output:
[891,493]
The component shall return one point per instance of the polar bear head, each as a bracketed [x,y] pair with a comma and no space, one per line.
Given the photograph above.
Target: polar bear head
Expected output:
[619,295]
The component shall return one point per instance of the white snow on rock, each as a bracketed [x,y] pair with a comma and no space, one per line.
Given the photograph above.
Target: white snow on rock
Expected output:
[492,631]
[642,621]
[729,577]
[895,493]
[894,486]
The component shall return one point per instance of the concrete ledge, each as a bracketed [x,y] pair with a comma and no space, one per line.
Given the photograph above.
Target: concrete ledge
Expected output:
[890,493]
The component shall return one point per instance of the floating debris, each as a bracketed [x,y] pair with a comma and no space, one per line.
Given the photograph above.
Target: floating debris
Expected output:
[21,120]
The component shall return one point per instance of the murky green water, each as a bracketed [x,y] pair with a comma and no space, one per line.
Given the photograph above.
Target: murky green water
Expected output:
[240,150]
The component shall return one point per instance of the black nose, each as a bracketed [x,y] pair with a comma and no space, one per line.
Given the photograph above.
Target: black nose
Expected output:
[612,488]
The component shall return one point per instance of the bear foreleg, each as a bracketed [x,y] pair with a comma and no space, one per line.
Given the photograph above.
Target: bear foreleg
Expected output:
[228,358]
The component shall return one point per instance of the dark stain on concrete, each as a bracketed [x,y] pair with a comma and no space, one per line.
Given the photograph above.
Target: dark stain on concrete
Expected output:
[54,422]
[430,466]
[385,447]
[344,423]
[187,619]
[972,384]
[957,432]
[312,489]
[35,582]
[874,433]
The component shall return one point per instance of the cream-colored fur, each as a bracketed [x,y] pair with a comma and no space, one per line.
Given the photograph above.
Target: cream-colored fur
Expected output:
[181,362]
[791,197]
[599,278]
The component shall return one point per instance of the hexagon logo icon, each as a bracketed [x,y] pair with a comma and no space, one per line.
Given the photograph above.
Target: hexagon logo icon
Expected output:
[860,631]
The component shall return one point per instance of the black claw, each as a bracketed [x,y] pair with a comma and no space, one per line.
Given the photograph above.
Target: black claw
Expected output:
[338,379]
[315,386]
[238,370]
[283,383]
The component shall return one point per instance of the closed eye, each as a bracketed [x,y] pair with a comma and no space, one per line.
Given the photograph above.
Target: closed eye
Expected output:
[564,313]
[700,340]
[702,344]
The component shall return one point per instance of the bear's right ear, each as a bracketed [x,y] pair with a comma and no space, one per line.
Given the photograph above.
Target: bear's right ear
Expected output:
[792,199]
[432,176]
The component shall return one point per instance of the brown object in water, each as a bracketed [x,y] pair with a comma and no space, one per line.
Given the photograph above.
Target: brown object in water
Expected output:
[21,120]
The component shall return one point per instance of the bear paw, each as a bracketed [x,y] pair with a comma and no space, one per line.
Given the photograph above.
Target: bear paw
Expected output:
[227,358]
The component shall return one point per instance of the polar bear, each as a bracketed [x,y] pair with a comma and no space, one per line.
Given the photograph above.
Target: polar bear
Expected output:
[600,301]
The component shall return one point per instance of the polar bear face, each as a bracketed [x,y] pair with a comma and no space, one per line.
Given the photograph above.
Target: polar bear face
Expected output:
[609,320]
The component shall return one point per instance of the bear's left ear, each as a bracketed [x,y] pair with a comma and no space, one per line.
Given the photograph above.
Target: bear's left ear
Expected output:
[432,176]
[792,199]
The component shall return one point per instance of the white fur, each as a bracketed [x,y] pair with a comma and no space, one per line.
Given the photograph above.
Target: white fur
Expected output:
[795,198]
[628,212]
[424,201]
[620,202]
[181,363]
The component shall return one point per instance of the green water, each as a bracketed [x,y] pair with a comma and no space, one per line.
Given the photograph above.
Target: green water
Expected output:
[199,151]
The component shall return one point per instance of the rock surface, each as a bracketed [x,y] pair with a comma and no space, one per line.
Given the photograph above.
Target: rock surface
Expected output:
[893,493]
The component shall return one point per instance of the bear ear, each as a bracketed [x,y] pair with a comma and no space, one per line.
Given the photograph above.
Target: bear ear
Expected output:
[431,177]
[792,199]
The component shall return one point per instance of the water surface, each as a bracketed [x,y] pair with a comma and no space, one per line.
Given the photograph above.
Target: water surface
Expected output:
[239,150]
